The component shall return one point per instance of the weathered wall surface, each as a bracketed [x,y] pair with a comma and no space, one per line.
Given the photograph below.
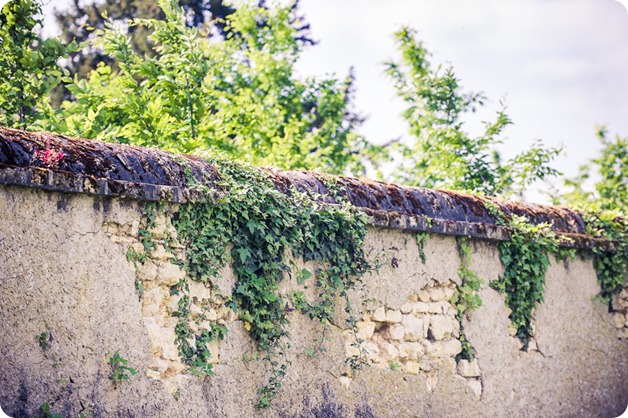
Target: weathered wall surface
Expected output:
[64,269]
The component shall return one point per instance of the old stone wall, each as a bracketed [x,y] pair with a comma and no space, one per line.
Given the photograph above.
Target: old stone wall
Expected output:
[66,269]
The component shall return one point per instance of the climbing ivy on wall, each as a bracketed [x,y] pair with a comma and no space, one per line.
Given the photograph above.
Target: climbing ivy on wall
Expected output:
[466,297]
[246,222]
[525,257]
[610,263]
[253,226]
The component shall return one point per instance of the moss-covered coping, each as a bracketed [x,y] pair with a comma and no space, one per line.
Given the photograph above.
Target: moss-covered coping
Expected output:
[106,169]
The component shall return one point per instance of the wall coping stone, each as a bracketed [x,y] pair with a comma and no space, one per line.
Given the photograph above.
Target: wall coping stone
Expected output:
[150,174]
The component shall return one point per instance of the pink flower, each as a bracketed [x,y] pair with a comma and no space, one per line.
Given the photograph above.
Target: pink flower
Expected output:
[49,157]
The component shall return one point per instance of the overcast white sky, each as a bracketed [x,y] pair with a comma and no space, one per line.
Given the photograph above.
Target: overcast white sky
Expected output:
[560,65]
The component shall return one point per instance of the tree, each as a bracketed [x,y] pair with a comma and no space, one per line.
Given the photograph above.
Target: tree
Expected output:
[441,153]
[82,21]
[28,65]
[611,190]
[237,95]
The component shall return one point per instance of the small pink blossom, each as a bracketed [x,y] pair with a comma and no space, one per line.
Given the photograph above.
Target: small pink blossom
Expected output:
[49,157]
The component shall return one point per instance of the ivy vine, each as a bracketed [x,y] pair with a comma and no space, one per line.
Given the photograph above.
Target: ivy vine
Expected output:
[466,297]
[525,258]
[253,226]
[610,262]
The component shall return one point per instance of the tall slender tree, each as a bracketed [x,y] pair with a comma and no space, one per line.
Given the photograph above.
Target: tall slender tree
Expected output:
[440,153]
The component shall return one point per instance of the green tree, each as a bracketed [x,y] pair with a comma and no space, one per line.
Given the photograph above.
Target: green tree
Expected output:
[442,154]
[28,65]
[81,21]
[238,95]
[610,191]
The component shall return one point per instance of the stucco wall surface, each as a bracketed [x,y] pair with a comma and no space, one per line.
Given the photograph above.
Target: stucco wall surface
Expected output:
[64,270]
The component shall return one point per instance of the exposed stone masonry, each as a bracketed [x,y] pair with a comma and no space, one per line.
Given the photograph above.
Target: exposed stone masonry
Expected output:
[421,337]
[619,306]
[155,279]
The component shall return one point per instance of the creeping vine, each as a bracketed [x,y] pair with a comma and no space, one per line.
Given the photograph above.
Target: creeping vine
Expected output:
[525,258]
[610,262]
[253,226]
[466,297]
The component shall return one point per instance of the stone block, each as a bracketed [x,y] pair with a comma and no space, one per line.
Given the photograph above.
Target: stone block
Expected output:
[424,296]
[412,367]
[163,227]
[414,328]
[366,329]
[169,274]
[172,305]
[393,316]
[158,365]
[380,314]
[153,374]
[441,327]
[160,253]
[420,307]
[435,308]
[437,295]
[397,332]
[389,351]
[618,319]
[151,302]
[468,368]
[372,349]
[148,271]
[410,351]
[406,308]
[443,349]
[476,387]
[199,290]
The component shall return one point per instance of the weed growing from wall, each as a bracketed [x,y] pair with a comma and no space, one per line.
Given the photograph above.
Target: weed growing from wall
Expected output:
[43,339]
[252,226]
[120,371]
[421,239]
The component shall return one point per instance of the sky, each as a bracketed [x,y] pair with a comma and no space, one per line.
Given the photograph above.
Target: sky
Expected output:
[560,66]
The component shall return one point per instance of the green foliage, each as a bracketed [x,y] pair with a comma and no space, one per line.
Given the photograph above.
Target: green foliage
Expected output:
[525,258]
[148,245]
[43,339]
[238,94]
[45,412]
[611,190]
[610,263]
[466,297]
[421,239]
[442,154]
[28,65]
[79,21]
[119,369]
[252,225]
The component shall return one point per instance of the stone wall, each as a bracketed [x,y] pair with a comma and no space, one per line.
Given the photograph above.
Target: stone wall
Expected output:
[65,270]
